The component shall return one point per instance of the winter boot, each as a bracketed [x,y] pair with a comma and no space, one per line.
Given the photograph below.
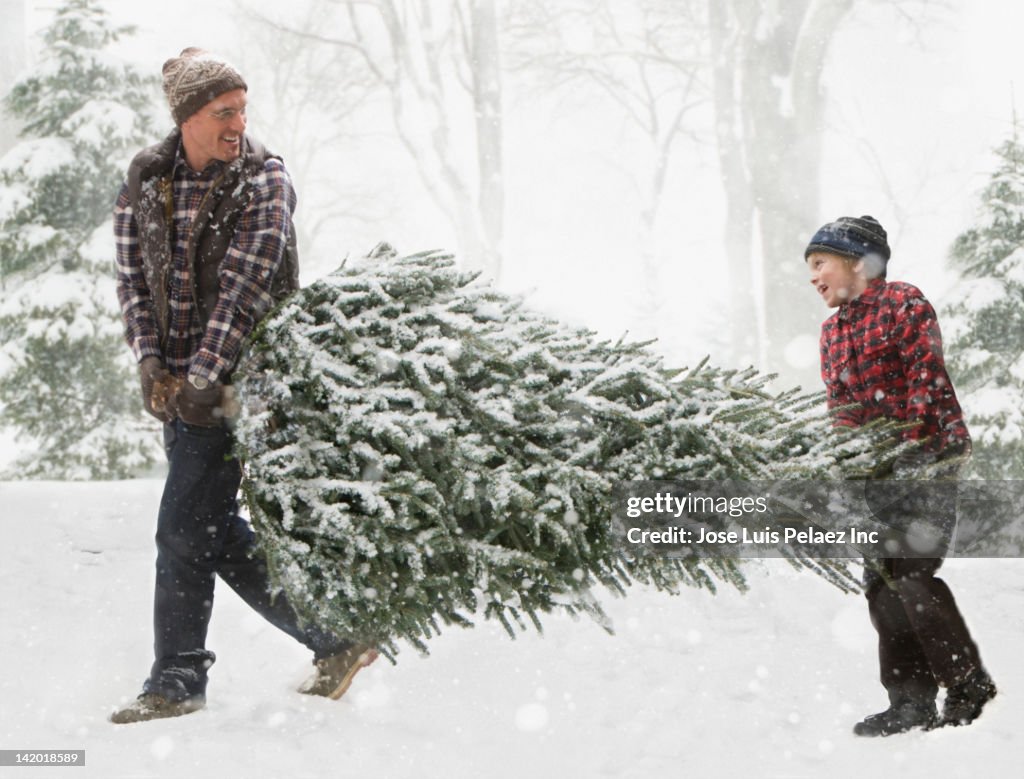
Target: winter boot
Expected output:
[152,706]
[965,701]
[899,718]
[334,674]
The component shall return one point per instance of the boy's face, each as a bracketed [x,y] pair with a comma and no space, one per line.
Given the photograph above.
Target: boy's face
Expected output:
[838,279]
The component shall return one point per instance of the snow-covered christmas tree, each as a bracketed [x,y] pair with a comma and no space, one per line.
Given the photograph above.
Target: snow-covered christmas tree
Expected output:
[985,323]
[67,384]
[420,447]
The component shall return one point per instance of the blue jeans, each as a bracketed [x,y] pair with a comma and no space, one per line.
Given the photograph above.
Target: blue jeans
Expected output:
[199,537]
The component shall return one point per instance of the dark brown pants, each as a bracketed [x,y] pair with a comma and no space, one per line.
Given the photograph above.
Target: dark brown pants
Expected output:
[923,642]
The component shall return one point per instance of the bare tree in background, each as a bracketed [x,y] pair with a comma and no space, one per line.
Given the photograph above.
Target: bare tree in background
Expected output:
[439,66]
[644,58]
[760,65]
[743,76]
[308,97]
[767,66]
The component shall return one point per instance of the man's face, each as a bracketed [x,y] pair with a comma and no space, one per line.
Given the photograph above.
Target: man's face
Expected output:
[214,132]
[837,279]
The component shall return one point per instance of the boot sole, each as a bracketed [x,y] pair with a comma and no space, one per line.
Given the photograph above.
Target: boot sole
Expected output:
[867,732]
[179,709]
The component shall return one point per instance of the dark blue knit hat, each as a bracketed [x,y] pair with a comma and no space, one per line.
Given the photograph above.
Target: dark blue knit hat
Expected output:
[851,237]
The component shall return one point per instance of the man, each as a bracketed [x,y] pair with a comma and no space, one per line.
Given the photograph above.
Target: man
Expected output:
[205,246]
[881,356]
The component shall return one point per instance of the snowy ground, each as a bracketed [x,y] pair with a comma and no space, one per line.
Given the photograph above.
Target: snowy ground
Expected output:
[759,685]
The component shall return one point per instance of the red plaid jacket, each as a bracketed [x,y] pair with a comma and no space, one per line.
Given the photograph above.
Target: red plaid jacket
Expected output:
[881,356]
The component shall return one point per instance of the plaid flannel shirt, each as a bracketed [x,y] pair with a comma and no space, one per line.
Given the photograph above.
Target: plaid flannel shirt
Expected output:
[246,272]
[881,356]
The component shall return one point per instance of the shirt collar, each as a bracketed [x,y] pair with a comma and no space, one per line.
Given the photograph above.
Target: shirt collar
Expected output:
[865,299]
[182,169]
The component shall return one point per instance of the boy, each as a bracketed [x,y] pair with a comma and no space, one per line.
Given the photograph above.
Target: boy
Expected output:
[881,356]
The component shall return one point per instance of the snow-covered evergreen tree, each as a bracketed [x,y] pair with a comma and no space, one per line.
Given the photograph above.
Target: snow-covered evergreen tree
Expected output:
[419,447]
[67,385]
[985,322]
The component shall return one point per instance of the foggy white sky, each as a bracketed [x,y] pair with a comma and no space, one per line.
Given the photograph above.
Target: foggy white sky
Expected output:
[914,116]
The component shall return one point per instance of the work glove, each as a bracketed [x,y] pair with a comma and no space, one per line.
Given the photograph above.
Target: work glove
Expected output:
[199,407]
[156,388]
